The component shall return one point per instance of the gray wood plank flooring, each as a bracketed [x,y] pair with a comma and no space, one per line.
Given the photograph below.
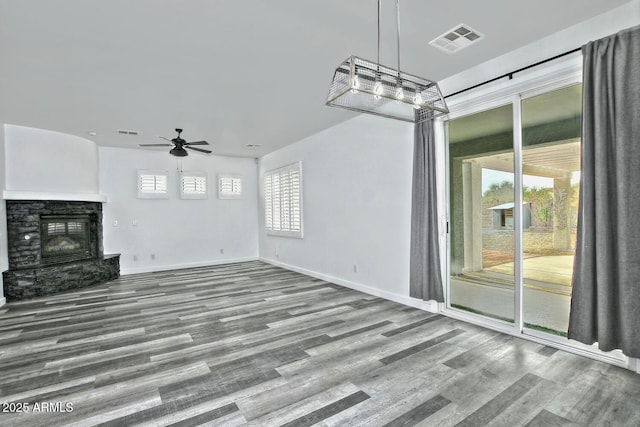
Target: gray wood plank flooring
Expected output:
[253,344]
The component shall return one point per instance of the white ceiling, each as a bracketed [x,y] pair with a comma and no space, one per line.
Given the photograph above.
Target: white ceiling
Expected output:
[233,72]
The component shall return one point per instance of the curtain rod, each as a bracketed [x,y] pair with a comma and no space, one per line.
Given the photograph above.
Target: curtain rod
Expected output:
[510,75]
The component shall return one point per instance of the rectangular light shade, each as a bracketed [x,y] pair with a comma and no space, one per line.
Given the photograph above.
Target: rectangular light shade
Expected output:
[364,86]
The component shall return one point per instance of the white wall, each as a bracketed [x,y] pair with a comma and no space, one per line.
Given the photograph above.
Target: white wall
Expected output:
[356,181]
[4,260]
[43,164]
[180,233]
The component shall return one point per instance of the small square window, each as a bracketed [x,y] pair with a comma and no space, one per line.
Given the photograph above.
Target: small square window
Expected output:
[193,185]
[152,184]
[229,186]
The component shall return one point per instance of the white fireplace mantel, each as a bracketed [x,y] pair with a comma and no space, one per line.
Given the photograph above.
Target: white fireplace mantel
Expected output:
[37,195]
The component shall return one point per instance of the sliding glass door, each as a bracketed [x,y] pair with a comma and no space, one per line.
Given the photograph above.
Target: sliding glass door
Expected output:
[514,263]
[481,213]
[551,125]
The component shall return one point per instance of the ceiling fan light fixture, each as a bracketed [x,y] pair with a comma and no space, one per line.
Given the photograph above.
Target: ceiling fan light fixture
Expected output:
[178,152]
[369,87]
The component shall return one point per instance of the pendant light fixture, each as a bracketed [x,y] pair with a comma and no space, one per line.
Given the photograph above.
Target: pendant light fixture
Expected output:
[369,87]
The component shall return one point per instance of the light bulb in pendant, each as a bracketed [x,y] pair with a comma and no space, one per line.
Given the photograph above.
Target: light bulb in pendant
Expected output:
[399,93]
[355,84]
[417,101]
[378,89]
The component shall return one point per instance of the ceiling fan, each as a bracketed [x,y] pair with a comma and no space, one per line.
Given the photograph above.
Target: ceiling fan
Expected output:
[179,145]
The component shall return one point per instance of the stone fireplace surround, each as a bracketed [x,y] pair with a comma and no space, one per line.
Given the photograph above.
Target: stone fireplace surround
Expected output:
[28,275]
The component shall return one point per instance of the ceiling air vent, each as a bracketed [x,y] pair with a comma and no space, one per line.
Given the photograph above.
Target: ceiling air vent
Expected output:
[127,132]
[457,38]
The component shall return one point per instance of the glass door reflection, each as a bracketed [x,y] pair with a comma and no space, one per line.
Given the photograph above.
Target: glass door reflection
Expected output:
[481,172]
[551,175]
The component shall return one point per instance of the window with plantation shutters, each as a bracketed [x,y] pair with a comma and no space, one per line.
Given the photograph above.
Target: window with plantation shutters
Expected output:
[229,186]
[193,185]
[152,184]
[283,201]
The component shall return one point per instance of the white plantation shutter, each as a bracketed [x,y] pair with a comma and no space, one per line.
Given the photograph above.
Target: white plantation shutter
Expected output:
[268,202]
[277,211]
[193,185]
[152,184]
[229,186]
[296,202]
[283,201]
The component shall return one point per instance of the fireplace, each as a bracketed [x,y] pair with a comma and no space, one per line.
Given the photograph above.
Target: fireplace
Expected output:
[55,246]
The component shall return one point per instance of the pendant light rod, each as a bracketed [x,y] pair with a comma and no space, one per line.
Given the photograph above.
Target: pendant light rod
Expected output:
[379,12]
[397,31]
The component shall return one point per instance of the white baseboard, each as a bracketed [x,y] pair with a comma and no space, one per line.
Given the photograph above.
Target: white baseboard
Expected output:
[430,306]
[3,301]
[166,267]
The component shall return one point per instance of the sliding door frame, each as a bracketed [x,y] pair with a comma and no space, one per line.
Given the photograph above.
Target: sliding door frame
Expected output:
[546,78]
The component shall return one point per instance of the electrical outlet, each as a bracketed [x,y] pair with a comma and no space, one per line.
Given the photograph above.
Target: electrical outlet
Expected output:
[134,222]
[153,256]
[221,250]
[355,268]
[135,257]
[115,222]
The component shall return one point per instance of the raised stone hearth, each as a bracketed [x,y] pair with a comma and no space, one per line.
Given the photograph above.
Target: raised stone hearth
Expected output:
[49,280]
[54,246]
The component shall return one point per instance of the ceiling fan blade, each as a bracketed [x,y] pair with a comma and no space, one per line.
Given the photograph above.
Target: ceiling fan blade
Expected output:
[165,138]
[197,143]
[156,145]
[198,149]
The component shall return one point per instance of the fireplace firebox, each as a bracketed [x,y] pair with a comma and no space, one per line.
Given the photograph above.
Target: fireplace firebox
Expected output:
[65,238]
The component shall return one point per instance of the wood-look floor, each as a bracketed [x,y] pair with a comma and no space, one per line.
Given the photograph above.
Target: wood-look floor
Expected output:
[252,344]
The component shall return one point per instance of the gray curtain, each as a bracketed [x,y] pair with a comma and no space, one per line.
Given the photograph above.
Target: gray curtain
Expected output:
[605,306]
[425,281]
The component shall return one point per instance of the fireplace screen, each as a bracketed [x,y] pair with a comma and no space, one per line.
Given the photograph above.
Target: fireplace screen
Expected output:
[65,238]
